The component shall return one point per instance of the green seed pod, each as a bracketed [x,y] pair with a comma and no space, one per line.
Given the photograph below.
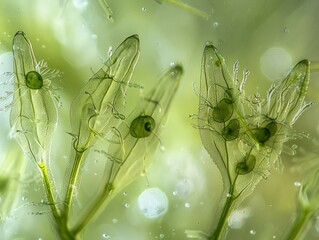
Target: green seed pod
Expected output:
[34,80]
[229,94]
[223,111]
[231,131]
[246,166]
[262,135]
[142,126]
[272,128]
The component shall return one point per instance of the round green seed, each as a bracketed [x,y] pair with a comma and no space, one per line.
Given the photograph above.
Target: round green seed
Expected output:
[262,135]
[142,126]
[231,131]
[223,111]
[246,166]
[34,80]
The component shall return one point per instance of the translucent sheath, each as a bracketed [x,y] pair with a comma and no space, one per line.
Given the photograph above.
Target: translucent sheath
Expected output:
[33,115]
[98,105]
[244,137]
[154,108]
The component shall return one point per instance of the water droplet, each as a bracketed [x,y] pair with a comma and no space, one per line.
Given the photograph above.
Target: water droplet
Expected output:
[43,46]
[252,232]
[115,221]
[274,236]
[127,205]
[125,193]
[144,9]
[175,193]
[215,24]
[153,202]
[297,184]
[24,198]
[187,205]
[105,235]
[110,52]
[286,30]
[228,195]
[162,235]
[162,148]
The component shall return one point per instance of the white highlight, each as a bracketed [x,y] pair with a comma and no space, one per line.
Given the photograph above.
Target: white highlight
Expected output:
[275,63]
[153,203]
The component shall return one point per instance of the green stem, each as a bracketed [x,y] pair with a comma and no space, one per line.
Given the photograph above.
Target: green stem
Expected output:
[95,208]
[61,225]
[299,224]
[223,220]
[72,183]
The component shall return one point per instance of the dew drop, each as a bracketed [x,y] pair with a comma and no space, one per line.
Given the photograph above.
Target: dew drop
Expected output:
[125,193]
[144,9]
[105,235]
[286,30]
[115,221]
[110,52]
[215,24]
[175,193]
[252,232]
[228,195]
[153,202]
[24,198]
[161,235]
[187,205]
[297,184]
[127,205]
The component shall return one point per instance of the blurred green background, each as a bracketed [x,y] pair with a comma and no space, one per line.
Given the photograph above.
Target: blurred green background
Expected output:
[267,37]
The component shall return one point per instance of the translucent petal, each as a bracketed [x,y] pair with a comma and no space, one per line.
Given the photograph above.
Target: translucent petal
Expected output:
[33,115]
[156,105]
[286,101]
[98,104]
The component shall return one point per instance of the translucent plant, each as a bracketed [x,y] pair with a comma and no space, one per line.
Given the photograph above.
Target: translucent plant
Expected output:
[100,125]
[11,167]
[307,201]
[244,135]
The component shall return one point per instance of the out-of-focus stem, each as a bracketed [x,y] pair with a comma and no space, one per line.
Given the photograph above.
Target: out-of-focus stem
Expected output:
[61,224]
[299,224]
